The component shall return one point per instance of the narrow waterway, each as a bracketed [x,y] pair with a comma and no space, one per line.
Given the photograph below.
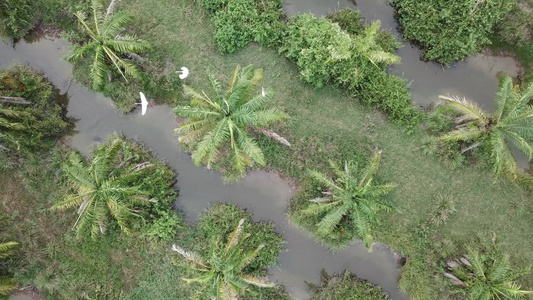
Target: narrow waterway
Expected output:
[265,194]
[475,78]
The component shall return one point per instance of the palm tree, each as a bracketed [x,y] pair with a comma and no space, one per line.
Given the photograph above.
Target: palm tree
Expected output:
[484,276]
[99,192]
[510,123]
[225,118]
[351,197]
[108,44]
[223,272]
[7,285]
[10,119]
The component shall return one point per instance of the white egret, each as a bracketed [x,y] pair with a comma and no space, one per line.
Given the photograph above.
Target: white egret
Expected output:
[143,104]
[183,73]
[263,91]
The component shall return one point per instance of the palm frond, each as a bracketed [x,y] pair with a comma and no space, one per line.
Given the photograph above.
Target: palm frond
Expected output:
[7,285]
[257,281]
[371,169]
[328,223]
[462,135]
[234,236]
[467,108]
[7,249]
[505,92]
[115,23]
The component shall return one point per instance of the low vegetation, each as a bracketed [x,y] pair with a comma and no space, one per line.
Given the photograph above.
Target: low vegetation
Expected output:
[450,30]
[346,287]
[240,22]
[31,111]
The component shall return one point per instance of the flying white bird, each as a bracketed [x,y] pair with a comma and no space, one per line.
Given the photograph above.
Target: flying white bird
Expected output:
[144,103]
[263,91]
[183,73]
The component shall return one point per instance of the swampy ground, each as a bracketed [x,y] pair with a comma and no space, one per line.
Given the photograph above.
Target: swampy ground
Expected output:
[325,124]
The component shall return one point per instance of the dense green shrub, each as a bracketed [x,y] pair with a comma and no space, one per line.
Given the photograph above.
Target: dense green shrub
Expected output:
[17,17]
[347,19]
[239,22]
[39,120]
[221,219]
[327,54]
[160,220]
[346,287]
[449,30]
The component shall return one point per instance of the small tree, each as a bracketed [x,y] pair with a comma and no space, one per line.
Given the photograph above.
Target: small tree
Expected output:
[224,120]
[107,43]
[510,123]
[350,197]
[223,274]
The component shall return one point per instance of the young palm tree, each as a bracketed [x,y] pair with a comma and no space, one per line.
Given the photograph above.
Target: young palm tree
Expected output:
[225,118]
[487,277]
[510,123]
[99,192]
[367,46]
[223,272]
[351,197]
[108,44]
[7,285]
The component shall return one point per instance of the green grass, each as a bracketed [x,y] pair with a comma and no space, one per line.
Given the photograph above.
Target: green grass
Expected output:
[114,266]
[327,124]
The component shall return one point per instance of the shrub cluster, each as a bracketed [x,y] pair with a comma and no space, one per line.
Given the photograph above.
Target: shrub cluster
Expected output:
[346,287]
[329,54]
[449,30]
[239,22]
[39,120]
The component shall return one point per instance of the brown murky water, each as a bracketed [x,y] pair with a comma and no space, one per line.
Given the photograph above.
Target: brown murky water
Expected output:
[264,194]
[474,78]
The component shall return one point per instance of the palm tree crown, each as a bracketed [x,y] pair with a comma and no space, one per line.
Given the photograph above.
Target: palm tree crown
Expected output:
[351,197]
[511,122]
[225,118]
[7,285]
[223,271]
[107,43]
[483,276]
[100,193]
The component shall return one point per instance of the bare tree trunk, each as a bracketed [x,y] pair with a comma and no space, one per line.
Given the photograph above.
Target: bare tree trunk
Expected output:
[111,8]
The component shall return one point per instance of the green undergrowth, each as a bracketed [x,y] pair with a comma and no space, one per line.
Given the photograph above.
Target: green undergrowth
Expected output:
[114,266]
[346,287]
[327,124]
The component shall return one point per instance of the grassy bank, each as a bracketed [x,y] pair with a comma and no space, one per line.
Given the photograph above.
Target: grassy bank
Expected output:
[327,124]
[114,266]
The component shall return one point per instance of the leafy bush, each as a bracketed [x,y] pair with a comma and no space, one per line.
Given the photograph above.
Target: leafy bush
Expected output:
[346,287]
[449,30]
[327,54]
[221,219]
[157,180]
[17,17]
[239,22]
[347,19]
[32,107]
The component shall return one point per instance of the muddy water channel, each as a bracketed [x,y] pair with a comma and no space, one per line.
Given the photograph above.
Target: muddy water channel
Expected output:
[475,78]
[262,193]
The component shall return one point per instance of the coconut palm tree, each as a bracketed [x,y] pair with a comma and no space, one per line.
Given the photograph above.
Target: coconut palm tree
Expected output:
[7,285]
[487,276]
[222,273]
[510,123]
[108,44]
[99,192]
[350,197]
[214,122]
